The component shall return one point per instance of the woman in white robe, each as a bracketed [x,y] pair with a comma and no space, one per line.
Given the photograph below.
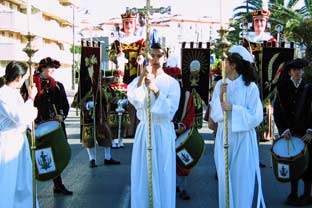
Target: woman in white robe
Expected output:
[245,113]
[165,95]
[15,161]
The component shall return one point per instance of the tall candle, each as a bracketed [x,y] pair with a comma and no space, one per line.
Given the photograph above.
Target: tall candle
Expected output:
[28,16]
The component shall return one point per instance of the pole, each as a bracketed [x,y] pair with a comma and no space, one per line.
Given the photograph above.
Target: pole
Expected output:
[73,66]
[225,138]
[224,44]
[149,117]
[148,10]
[30,53]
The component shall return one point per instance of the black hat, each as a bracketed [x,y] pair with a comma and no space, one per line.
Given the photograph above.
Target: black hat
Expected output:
[296,64]
[48,63]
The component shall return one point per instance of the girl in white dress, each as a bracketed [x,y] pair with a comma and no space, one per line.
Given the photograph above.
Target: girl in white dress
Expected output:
[15,160]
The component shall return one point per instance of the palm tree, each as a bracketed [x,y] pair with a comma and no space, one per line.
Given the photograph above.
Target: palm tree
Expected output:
[296,21]
[298,26]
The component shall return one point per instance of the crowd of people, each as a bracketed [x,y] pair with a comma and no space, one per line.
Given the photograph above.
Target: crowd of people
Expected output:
[155,109]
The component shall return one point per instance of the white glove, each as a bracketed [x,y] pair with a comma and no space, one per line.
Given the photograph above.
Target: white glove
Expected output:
[89,105]
[140,60]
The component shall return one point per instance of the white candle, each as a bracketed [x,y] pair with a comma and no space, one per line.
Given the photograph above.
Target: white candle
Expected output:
[28,16]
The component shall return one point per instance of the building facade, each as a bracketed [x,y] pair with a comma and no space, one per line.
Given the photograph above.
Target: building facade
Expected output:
[52,25]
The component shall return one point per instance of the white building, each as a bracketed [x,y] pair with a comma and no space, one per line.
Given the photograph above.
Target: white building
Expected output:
[52,25]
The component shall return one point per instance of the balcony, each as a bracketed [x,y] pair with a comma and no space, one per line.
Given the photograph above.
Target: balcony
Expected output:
[69,2]
[55,10]
[13,21]
[14,51]
[16,22]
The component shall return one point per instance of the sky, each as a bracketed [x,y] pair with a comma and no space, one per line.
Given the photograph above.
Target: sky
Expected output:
[193,9]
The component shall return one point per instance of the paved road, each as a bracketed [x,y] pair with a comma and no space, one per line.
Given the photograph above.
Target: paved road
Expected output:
[109,186]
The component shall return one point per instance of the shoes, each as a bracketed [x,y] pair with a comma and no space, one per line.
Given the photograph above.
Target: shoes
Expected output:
[92,164]
[305,200]
[111,162]
[292,200]
[121,144]
[62,190]
[114,145]
[184,195]
[262,165]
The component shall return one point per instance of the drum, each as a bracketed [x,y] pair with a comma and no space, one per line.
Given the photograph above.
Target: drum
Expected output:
[52,152]
[290,158]
[113,120]
[190,147]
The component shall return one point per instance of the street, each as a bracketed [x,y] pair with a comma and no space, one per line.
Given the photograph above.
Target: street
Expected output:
[109,186]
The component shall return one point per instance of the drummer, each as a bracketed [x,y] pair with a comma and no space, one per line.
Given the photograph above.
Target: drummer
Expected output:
[52,103]
[183,120]
[293,117]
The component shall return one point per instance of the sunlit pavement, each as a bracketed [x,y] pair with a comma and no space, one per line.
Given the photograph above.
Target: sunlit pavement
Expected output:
[109,186]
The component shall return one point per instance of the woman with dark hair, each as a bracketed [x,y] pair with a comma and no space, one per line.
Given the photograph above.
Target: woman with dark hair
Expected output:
[244,110]
[52,103]
[15,115]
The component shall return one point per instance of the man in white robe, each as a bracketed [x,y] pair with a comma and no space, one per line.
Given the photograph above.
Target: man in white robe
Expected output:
[164,97]
[245,112]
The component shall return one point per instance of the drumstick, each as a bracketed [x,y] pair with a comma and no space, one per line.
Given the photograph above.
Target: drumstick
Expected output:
[55,110]
[292,142]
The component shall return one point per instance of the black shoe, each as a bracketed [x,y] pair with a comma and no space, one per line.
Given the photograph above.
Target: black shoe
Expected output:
[262,165]
[184,195]
[62,190]
[292,200]
[92,164]
[111,162]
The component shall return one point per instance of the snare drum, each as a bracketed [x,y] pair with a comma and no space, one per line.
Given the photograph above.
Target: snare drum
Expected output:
[190,147]
[52,152]
[290,158]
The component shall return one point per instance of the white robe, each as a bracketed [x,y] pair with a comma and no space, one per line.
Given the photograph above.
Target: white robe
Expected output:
[246,114]
[163,143]
[15,160]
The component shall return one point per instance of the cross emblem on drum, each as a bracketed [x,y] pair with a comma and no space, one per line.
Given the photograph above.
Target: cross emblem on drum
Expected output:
[44,161]
[283,171]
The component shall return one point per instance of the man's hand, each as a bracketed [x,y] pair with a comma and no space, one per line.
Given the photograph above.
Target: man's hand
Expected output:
[60,118]
[287,135]
[226,106]
[307,137]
